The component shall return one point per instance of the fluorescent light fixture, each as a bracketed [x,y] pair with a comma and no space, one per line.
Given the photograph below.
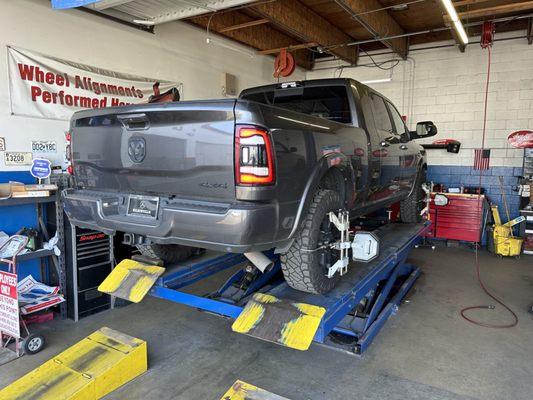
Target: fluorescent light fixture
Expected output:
[144,22]
[461,31]
[450,9]
[221,43]
[384,80]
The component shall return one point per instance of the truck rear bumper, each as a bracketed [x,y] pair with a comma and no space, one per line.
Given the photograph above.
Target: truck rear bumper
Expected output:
[236,228]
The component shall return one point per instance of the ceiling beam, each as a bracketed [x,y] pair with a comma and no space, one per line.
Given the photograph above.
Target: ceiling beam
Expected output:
[244,25]
[302,22]
[462,3]
[493,11]
[290,48]
[260,37]
[379,24]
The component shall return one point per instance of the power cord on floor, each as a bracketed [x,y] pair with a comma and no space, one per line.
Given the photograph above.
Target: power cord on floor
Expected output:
[477,266]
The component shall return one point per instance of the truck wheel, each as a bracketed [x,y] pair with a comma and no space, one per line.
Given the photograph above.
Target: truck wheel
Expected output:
[304,267]
[411,207]
[168,253]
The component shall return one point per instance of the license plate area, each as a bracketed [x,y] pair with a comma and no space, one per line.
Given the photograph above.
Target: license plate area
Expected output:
[143,206]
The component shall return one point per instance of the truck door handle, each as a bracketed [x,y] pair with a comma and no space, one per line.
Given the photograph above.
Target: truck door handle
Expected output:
[134,122]
[384,143]
[403,147]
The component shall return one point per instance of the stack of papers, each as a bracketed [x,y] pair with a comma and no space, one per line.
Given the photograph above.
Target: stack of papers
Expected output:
[36,296]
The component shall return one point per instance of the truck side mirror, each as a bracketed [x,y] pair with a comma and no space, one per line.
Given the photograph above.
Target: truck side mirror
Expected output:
[424,129]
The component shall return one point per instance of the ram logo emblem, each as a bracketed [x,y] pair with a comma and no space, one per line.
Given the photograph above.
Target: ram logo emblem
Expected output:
[137,149]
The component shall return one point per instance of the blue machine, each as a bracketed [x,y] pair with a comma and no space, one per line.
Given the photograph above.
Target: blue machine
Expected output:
[356,309]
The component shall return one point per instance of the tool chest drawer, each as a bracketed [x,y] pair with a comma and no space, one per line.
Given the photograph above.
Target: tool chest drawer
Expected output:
[460,219]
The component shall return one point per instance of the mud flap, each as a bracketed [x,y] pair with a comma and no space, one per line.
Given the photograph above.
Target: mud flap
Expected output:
[131,280]
[279,321]
[244,391]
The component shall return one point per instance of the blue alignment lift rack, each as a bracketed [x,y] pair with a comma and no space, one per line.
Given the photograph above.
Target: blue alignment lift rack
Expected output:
[356,309]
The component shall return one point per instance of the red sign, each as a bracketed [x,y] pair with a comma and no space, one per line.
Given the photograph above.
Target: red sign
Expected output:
[521,139]
[9,306]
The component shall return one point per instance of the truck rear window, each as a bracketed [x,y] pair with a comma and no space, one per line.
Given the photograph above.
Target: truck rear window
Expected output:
[330,102]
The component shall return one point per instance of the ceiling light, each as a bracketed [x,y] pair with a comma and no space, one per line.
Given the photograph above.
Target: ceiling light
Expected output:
[461,31]
[450,9]
[400,7]
[144,22]
[383,80]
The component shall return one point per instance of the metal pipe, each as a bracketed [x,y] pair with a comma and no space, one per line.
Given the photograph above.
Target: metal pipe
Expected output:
[347,66]
[259,260]
[390,7]
[358,42]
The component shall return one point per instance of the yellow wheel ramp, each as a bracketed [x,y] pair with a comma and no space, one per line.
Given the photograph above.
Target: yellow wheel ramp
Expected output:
[89,370]
[244,391]
[131,280]
[279,321]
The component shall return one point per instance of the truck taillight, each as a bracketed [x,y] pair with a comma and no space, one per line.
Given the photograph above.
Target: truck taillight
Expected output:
[68,139]
[254,161]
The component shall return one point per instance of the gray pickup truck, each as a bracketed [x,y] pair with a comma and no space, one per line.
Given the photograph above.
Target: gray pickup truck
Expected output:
[247,175]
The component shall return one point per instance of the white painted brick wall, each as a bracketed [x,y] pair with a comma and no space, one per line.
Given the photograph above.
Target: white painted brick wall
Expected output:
[449,90]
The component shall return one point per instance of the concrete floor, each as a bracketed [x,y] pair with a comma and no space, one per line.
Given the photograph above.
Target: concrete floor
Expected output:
[426,351]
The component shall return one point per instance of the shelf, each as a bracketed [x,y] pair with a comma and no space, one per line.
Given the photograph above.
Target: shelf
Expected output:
[35,254]
[18,201]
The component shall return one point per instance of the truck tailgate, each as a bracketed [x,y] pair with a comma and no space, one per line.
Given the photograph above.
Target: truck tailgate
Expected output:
[183,149]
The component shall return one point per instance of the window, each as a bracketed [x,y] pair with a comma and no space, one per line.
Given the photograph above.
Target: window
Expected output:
[399,125]
[381,114]
[330,102]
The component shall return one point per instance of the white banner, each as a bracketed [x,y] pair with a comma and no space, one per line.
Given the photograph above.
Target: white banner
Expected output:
[49,87]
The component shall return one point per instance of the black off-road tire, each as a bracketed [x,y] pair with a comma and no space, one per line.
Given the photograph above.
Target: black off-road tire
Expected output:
[301,267]
[411,207]
[168,253]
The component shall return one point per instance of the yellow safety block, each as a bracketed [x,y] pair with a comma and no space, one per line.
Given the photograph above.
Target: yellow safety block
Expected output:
[279,321]
[88,370]
[244,391]
[131,280]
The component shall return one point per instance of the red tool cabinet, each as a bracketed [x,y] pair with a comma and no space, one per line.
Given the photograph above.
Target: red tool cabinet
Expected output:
[460,219]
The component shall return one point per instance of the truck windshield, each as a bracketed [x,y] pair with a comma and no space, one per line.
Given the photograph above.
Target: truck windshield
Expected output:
[330,102]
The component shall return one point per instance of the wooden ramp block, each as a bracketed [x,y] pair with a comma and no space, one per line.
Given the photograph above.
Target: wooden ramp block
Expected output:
[244,391]
[88,370]
[131,280]
[279,321]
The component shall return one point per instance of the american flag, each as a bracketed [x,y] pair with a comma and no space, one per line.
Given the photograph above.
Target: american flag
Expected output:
[482,159]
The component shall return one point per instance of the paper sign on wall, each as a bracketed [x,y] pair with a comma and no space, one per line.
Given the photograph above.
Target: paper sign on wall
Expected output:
[2,144]
[50,87]
[9,306]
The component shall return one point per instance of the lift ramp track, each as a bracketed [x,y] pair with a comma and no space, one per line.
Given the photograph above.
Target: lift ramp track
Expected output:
[244,391]
[279,321]
[131,280]
[89,370]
